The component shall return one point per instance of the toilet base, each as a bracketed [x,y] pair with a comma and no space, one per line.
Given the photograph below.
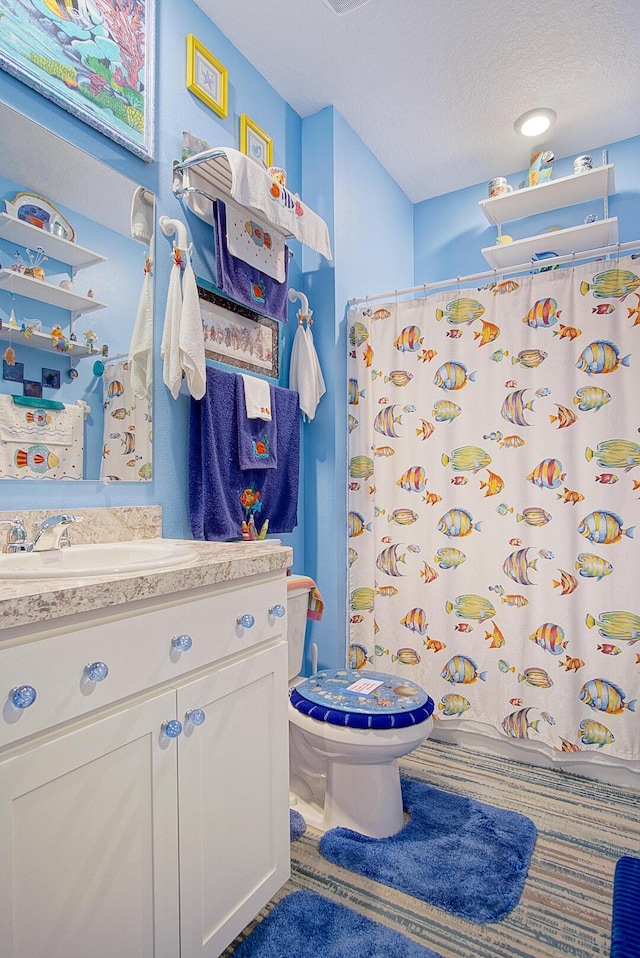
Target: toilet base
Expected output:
[349,778]
[364,798]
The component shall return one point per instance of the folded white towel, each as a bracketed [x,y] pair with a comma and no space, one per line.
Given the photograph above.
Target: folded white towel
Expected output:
[257,398]
[169,349]
[191,336]
[252,186]
[141,346]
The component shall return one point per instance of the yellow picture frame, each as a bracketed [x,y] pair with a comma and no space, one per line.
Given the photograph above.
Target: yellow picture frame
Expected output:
[254,142]
[207,78]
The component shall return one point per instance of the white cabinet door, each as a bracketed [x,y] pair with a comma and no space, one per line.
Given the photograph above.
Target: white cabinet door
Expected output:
[88,841]
[233,799]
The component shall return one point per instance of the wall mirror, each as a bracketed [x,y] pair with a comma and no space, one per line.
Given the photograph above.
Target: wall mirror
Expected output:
[76,300]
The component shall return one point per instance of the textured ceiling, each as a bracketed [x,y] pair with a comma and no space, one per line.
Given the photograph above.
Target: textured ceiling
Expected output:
[432,87]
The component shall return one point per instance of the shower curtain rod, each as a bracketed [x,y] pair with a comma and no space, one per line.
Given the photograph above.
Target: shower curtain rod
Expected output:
[487,274]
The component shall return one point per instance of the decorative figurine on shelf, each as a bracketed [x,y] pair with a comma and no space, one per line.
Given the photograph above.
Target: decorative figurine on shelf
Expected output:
[90,339]
[34,266]
[540,167]
[56,335]
[12,323]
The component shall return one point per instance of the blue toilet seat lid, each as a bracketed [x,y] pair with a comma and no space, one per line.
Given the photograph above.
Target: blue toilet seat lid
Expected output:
[362,699]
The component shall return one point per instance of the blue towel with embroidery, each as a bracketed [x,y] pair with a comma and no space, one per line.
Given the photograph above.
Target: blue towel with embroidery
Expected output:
[257,438]
[221,495]
[245,283]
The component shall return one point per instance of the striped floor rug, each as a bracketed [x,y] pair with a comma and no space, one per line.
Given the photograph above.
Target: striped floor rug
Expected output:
[565,909]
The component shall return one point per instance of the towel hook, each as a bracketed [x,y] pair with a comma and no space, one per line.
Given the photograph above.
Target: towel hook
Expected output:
[171,227]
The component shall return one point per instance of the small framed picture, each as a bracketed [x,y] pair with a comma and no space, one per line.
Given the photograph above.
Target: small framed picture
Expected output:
[206,76]
[13,374]
[50,378]
[31,388]
[254,142]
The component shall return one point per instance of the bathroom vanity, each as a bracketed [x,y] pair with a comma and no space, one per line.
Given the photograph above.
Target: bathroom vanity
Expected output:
[144,792]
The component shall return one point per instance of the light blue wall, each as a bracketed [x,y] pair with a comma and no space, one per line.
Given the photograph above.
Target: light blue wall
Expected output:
[176,110]
[450,230]
[371,222]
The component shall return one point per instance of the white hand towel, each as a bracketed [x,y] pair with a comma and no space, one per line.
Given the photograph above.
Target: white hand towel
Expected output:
[169,349]
[191,336]
[257,398]
[319,378]
[303,373]
[141,346]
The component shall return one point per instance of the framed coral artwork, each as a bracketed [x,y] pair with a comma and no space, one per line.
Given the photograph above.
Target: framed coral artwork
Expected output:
[94,58]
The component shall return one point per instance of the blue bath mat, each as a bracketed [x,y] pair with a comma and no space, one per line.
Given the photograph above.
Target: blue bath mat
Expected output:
[297,825]
[310,926]
[463,856]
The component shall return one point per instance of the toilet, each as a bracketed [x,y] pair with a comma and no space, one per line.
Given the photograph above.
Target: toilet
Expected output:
[347,730]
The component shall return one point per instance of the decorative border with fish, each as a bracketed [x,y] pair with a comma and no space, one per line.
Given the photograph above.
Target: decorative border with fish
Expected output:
[65,51]
[236,336]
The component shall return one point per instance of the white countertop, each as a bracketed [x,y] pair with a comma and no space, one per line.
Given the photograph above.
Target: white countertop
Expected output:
[25,602]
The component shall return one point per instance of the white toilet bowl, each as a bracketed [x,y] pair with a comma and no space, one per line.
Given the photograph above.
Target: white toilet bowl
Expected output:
[349,777]
[344,746]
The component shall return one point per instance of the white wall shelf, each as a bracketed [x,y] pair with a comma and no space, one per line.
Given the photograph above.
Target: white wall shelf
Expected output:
[45,292]
[29,236]
[571,240]
[44,341]
[552,195]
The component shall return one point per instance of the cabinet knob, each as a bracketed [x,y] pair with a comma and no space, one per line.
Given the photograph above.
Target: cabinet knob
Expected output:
[172,728]
[247,621]
[22,696]
[182,643]
[96,671]
[277,610]
[195,716]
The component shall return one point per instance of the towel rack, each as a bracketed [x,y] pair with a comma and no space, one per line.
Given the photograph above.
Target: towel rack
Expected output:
[208,176]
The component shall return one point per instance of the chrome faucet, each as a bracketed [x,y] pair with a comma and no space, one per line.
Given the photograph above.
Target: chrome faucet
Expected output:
[16,540]
[53,533]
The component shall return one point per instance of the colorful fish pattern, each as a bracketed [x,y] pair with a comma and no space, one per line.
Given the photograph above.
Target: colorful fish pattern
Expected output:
[550,589]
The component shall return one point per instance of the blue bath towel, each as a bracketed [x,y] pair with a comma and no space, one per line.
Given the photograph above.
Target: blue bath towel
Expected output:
[221,495]
[244,283]
[257,438]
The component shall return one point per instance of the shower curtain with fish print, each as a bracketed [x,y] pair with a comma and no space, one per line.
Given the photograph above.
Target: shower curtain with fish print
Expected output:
[126,442]
[494,490]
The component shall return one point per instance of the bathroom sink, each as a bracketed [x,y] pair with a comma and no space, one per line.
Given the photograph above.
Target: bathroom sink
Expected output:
[103,558]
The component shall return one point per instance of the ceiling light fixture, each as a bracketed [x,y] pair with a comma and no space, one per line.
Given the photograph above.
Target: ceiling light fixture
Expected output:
[340,7]
[535,122]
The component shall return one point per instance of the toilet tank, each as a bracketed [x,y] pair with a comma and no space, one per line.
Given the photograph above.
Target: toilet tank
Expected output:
[298,589]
